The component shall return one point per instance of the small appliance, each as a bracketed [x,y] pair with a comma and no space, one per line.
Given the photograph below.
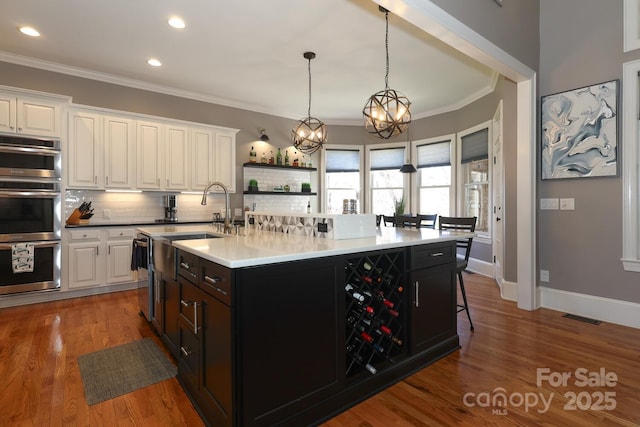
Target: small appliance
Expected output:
[170,209]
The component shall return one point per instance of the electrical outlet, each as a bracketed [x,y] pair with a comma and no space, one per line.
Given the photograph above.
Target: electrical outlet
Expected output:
[544,276]
[106,213]
[568,204]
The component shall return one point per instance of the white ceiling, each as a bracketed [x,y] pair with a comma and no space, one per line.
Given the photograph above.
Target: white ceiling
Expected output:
[247,53]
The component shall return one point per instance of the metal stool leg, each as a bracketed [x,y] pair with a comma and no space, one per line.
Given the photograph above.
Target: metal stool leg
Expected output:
[464,298]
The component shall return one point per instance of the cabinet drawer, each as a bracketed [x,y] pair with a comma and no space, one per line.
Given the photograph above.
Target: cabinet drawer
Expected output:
[215,280]
[121,234]
[190,305]
[81,235]
[188,355]
[188,266]
[430,255]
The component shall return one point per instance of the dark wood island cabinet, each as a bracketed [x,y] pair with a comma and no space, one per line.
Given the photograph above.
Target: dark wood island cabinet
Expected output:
[295,343]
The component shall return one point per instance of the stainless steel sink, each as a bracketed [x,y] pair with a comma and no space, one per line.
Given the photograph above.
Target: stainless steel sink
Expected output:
[203,235]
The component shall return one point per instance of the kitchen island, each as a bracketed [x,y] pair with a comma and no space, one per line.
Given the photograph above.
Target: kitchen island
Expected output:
[279,329]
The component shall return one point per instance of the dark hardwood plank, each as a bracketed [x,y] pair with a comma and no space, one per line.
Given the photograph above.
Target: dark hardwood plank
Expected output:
[39,346]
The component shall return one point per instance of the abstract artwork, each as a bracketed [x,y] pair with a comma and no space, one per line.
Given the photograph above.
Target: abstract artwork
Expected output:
[580,132]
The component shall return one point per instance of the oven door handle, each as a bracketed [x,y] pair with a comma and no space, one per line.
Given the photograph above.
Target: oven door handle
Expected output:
[45,244]
[40,194]
[37,150]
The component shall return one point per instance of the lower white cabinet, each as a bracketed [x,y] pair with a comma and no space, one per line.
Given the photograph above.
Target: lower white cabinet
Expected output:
[97,257]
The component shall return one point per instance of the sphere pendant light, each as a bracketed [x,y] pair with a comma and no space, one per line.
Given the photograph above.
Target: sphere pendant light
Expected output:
[310,133]
[387,113]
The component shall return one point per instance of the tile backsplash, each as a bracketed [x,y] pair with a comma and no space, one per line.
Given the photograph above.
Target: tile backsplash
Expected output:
[143,207]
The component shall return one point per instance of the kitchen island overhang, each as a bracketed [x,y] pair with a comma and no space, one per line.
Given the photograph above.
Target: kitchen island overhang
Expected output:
[292,330]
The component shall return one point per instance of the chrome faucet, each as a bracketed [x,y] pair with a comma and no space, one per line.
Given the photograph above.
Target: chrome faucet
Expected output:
[227,216]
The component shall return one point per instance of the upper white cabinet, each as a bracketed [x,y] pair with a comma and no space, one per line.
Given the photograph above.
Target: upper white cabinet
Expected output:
[111,151]
[84,159]
[29,115]
[119,153]
[150,155]
[177,160]
[225,159]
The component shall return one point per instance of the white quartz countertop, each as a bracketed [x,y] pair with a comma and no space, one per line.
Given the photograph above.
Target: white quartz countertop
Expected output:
[256,247]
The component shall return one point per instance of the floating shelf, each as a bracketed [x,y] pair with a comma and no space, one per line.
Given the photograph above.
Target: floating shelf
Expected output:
[282,193]
[267,165]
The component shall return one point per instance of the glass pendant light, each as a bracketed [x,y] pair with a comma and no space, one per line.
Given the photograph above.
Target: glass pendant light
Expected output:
[310,133]
[387,113]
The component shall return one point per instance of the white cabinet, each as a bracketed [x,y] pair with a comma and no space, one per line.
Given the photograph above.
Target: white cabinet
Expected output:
[214,158]
[84,159]
[119,153]
[86,267]
[177,159]
[119,247]
[29,115]
[225,159]
[113,151]
[149,155]
[99,257]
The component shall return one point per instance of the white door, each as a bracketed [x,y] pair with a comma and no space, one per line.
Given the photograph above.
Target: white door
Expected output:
[498,196]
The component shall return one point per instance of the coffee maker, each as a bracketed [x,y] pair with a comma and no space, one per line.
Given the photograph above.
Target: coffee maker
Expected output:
[170,209]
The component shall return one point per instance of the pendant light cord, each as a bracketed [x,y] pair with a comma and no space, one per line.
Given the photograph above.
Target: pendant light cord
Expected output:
[309,109]
[386,48]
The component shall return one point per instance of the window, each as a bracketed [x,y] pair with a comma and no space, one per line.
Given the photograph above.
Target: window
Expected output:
[433,159]
[474,176]
[387,183]
[343,180]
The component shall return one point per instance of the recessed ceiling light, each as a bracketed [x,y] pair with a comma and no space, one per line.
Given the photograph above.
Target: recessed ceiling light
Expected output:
[29,31]
[176,22]
[154,62]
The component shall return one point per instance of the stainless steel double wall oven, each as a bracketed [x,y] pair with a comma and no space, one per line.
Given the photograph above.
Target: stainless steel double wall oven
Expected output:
[30,213]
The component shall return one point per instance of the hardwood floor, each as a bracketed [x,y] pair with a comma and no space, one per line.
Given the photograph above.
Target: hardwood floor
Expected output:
[41,385]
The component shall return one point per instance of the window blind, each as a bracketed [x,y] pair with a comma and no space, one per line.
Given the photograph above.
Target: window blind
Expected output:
[342,160]
[434,154]
[475,146]
[387,158]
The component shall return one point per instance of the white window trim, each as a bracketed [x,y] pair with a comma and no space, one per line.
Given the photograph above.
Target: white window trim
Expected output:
[630,161]
[323,172]
[631,12]
[482,237]
[452,158]
[368,187]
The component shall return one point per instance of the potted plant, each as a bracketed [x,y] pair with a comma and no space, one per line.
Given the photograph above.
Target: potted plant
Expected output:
[253,185]
[306,187]
[399,206]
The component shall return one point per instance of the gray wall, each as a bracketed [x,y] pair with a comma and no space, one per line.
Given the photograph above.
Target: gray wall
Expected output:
[581,44]
[512,27]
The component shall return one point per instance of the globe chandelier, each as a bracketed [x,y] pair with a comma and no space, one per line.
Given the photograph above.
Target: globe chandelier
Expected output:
[387,113]
[310,134]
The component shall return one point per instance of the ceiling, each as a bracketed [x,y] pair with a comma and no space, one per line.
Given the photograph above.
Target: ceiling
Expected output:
[247,53]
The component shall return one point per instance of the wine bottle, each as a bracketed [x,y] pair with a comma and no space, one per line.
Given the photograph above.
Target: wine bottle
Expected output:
[365,336]
[392,312]
[385,329]
[286,157]
[351,291]
[279,157]
[252,156]
[397,341]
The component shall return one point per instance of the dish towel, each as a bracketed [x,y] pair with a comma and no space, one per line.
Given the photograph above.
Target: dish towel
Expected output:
[22,257]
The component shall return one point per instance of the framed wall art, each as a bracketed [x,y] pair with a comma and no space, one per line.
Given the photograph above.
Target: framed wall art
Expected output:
[580,132]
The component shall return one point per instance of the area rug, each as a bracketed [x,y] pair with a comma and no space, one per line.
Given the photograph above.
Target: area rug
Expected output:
[122,369]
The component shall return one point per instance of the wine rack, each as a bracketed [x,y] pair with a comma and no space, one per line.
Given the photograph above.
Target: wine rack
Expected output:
[374,315]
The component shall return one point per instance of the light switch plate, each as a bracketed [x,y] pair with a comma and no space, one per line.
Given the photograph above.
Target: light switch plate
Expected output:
[106,214]
[544,276]
[549,204]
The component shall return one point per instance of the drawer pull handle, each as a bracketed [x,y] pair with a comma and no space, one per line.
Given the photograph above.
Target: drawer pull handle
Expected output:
[186,303]
[185,265]
[437,254]
[185,351]
[212,280]
[417,286]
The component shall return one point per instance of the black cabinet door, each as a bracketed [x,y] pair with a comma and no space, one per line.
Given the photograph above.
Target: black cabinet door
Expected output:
[171,308]
[433,301]
[290,354]
[216,388]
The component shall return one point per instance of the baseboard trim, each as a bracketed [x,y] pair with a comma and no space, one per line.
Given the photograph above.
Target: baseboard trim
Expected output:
[480,267]
[606,309]
[509,291]
[48,296]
